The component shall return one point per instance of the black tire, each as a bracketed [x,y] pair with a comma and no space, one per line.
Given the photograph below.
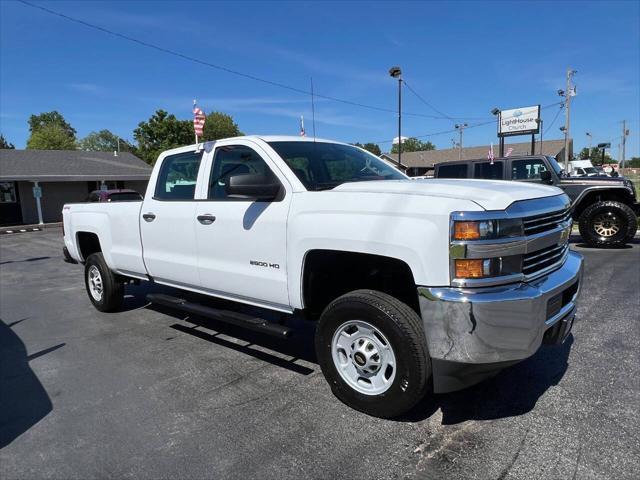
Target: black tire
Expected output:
[112,287]
[402,327]
[619,213]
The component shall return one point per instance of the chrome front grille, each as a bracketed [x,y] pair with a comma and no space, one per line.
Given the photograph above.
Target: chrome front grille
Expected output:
[540,260]
[544,222]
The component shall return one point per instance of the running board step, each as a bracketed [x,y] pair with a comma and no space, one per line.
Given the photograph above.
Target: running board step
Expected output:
[234,318]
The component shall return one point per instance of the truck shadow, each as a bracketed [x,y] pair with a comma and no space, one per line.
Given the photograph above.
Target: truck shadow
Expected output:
[258,345]
[512,392]
[23,400]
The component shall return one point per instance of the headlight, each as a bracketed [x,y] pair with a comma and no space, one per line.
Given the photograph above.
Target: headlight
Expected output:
[487,229]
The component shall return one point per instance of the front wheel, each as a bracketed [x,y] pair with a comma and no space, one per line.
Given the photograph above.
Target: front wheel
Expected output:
[372,350]
[105,289]
[608,224]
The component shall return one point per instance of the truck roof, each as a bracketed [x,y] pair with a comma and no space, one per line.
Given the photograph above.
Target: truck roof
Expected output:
[265,138]
[497,159]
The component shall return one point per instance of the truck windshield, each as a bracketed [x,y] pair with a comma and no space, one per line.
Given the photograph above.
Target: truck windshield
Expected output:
[556,167]
[322,165]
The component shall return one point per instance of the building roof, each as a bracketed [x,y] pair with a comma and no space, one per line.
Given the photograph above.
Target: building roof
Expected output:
[430,157]
[70,166]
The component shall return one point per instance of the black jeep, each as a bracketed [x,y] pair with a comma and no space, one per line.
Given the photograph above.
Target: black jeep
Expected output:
[605,208]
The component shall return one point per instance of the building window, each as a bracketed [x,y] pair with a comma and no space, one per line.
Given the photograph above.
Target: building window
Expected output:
[8,192]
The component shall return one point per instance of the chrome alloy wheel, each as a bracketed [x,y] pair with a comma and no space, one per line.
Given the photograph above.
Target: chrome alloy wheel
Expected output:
[363,357]
[95,283]
[606,224]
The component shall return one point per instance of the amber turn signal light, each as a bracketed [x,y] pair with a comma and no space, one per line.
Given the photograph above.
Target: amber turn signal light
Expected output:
[469,268]
[466,231]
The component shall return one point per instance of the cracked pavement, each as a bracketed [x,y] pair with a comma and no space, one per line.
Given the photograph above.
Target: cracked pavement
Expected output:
[150,393]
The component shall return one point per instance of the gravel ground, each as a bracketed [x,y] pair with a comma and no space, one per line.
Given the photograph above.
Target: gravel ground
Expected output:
[148,393]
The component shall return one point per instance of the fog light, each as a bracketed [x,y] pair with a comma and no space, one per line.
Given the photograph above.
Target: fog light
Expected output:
[470,268]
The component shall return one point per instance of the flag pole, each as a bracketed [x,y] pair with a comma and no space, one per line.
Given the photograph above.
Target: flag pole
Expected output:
[194,111]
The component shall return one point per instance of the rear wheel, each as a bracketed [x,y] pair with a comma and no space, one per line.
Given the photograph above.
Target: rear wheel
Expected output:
[105,289]
[372,350]
[608,224]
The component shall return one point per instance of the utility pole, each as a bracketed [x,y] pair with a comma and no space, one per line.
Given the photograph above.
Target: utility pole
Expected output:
[540,122]
[625,132]
[568,93]
[396,72]
[460,127]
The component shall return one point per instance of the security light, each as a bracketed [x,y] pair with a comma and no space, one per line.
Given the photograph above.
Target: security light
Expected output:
[395,72]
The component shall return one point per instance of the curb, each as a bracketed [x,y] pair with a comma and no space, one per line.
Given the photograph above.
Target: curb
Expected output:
[12,230]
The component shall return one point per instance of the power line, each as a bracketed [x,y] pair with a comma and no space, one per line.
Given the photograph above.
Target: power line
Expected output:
[218,67]
[435,109]
[424,101]
[481,124]
[554,120]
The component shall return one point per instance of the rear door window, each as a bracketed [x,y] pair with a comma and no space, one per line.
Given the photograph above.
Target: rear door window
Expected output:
[177,177]
[489,171]
[456,170]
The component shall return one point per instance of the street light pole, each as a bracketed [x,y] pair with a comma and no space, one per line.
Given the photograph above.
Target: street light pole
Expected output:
[395,72]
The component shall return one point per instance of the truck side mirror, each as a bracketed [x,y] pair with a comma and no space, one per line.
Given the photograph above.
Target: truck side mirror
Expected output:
[546,177]
[253,187]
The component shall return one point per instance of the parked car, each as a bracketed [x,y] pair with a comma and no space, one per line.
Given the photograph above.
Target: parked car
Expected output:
[115,195]
[582,168]
[605,208]
[411,283]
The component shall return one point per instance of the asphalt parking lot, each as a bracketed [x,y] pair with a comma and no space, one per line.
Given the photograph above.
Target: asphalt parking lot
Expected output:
[147,393]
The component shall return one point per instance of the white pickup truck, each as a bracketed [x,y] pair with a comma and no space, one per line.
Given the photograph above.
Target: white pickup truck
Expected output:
[436,283]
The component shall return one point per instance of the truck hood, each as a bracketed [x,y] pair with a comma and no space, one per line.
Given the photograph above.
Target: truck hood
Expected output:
[489,194]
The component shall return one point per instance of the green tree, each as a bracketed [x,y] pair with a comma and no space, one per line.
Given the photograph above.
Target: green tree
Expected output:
[370,147]
[51,137]
[220,125]
[412,144]
[595,155]
[36,122]
[104,141]
[161,132]
[50,131]
[4,144]
[633,163]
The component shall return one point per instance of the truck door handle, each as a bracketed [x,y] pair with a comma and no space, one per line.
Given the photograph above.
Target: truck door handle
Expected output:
[149,217]
[206,219]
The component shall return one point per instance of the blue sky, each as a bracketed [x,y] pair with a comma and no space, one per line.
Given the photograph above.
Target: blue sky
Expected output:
[464,58]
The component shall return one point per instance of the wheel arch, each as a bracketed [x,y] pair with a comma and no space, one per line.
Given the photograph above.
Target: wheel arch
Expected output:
[327,274]
[595,194]
[88,243]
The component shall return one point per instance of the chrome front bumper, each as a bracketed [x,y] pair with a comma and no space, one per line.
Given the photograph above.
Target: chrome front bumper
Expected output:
[499,324]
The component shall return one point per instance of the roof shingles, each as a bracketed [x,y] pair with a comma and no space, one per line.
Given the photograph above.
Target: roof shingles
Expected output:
[70,165]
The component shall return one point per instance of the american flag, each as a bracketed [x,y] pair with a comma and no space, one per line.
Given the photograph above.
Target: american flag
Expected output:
[198,120]
[509,151]
[491,157]
[302,132]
